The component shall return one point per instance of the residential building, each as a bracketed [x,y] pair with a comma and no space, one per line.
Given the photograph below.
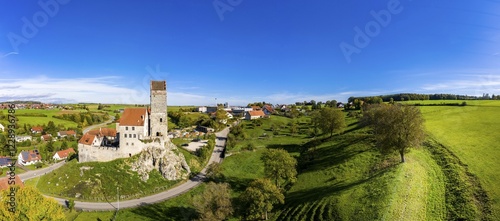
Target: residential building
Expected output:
[251,115]
[63,154]
[5,161]
[6,182]
[23,138]
[36,130]
[29,157]
[66,133]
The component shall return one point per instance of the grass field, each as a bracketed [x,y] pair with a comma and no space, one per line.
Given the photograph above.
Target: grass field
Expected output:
[38,120]
[471,133]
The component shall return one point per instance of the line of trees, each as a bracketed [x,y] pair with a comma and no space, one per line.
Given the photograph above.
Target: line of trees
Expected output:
[414,96]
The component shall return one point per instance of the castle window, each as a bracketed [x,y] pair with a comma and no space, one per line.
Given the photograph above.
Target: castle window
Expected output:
[127,143]
[134,135]
[157,133]
[132,144]
[133,128]
[126,128]
[161,120]
[125,135]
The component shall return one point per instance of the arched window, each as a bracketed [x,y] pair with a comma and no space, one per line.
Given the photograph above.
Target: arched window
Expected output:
[161,120]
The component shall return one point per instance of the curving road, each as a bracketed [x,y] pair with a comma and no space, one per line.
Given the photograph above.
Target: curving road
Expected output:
[220,142]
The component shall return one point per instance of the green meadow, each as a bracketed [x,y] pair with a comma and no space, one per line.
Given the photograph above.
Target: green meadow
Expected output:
[471,133]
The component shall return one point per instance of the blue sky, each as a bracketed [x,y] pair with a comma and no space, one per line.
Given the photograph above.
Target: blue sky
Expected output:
[240,51]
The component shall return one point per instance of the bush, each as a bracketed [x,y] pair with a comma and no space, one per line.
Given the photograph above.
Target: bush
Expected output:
[250,147]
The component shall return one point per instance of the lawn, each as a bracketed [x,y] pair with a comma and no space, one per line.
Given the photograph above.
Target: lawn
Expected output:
[470,132]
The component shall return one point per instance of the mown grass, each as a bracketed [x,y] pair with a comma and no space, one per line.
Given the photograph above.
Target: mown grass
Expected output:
[470,133]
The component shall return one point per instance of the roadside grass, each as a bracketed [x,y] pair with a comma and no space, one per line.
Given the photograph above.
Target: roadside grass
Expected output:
[470,133]
[97,181]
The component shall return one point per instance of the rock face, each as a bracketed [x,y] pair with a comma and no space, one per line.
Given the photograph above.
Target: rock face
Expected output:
[164,157]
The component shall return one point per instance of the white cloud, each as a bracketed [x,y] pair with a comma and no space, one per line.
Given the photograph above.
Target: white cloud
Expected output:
[467,84]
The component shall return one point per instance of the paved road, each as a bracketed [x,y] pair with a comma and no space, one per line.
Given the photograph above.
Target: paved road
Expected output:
[36,173]
[87,129]
[220,142]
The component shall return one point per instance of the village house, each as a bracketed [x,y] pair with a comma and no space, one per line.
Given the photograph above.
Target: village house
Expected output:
[251,115]
[23,138]
[47,137]
[29,157]
[106,136]
[5,161]
[6,182]
[89,140]
[63,154]
[202,109]
[62,134]
[268,110]
[36,130]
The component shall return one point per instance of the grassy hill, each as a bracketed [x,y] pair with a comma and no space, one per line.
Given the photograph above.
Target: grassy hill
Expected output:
[471,133]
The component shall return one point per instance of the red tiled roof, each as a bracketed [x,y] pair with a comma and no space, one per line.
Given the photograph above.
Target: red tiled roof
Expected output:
[46,137]
[257,113]
[65,153]
[255,108]
[268,108]
[133,117]
[67,132]
[103,131]
[39,129]
[4,182]
[87,139]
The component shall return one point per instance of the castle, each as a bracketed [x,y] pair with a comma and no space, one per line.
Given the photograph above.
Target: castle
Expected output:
[136,128]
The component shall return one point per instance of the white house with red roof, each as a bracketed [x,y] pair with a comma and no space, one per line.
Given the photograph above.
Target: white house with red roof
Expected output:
[63,154]
[251,115]
[29,157]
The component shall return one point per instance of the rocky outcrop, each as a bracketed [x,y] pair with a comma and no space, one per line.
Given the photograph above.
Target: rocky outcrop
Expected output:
[164,157]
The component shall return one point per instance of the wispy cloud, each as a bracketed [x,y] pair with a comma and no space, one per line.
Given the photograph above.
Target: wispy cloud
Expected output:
[466,84]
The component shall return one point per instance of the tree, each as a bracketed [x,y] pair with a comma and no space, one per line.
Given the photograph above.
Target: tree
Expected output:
[71,204]
[294,127]
[396,127]
[279,166]
[259,198]
[215,202]
[330,120]
[184,121]
[214,172]
[34,206]
[50,146]
[64,145]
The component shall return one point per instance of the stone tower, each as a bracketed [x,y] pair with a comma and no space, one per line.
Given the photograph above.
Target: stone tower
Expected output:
[158,101]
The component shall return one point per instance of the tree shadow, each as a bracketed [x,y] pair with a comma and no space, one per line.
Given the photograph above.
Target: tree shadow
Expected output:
[237,184]
[316,194]
[160,212]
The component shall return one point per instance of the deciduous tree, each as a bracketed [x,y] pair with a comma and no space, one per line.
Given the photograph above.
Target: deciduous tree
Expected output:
[260,197]
[31,205]
[330,120]
[215,202]
[396,127]
[279,166]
